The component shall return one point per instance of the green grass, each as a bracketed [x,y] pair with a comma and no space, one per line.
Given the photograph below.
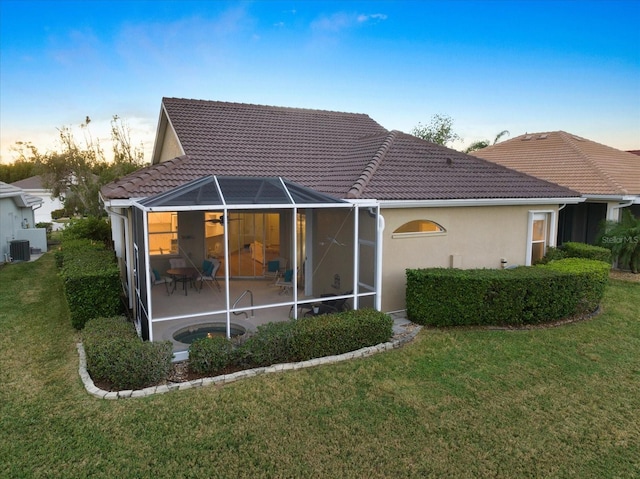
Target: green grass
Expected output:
[558,402]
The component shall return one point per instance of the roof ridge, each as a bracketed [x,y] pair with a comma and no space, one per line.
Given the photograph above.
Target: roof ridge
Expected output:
[365,177]
[289,108]
[566,137]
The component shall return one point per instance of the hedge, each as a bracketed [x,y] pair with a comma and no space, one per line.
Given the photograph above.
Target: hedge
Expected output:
[586,251]
[210,355]
[296,340]
[332,334]
[75,247]
[116,354]
[91,282]
[526,295]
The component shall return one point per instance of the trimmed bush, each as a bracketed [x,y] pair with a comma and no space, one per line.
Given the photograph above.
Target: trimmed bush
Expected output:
[91,227]
[526,295]
[339,333]
[588,281]
[271,344]
[552,254]
[91,279]
[586,251]
[92,286]
[76,247]
[116,354]
[210,355]
[315,337]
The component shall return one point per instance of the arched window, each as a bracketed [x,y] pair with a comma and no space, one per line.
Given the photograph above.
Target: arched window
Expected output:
[419,228]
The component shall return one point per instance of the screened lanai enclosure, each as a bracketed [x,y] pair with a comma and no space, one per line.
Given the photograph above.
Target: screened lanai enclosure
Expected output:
[279,251]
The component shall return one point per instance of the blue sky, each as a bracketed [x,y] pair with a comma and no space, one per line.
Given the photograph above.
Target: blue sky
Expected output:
[489,65]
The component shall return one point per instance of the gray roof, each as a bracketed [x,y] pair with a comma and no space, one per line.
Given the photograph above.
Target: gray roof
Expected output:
[346,155]
[31,183]
[18,195]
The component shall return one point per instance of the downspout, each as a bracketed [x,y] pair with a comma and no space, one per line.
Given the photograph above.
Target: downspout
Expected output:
[379,255]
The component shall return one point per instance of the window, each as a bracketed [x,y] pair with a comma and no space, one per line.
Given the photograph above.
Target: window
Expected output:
[163,233]
[418,228]
[541,234]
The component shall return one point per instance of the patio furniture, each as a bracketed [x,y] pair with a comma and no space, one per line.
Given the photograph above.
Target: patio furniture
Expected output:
[275,268]
[183,275]
[210,269]
[178,263]
[156,278]
[285,283]
[334,305]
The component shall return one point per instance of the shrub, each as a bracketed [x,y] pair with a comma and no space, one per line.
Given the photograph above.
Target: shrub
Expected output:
[552,254]
[270,344]
[45,225]
[115,354]
[314,337]
[57,214]
[91,279]
[92,286]
[586,251]
[76,247]
[209,355]
[587,281]
[330,334]
[91,227]
[526,295]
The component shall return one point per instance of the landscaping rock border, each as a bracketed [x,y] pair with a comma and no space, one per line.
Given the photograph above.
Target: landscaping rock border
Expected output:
[404,331]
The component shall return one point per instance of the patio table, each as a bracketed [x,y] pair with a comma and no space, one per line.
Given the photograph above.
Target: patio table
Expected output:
[182,275]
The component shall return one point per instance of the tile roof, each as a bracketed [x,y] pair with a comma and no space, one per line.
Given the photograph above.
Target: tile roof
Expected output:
[21,198]
[347,155]
[571,161]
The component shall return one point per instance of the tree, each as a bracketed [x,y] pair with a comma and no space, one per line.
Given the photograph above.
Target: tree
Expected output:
[478,145]
[78,171]
[439,130]
[18,170]
[623,239]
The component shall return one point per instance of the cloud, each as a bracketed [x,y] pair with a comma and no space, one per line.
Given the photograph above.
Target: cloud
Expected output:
[341,21]
[376,17]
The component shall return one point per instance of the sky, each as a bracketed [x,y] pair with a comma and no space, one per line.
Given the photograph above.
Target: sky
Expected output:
[521,66]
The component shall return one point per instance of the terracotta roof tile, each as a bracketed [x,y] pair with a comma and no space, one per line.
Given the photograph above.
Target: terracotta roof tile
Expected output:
[566,159]
[341,154]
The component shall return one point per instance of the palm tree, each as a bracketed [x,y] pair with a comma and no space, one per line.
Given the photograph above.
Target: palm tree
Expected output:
[623,239]
[478,145]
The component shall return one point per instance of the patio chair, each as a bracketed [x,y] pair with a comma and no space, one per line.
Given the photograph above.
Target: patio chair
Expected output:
[275,268]
[285,283]
[334,305]
[210,268]
[156,278]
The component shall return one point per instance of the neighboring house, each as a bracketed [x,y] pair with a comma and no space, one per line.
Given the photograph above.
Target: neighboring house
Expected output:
[608,179]
[348,204]
[17,220]
[33,186]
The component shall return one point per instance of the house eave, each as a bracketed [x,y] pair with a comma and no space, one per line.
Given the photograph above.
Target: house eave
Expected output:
[479,202]
[621,198]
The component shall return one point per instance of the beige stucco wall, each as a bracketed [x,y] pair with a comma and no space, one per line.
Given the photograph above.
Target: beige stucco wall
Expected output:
[170,146]
[478,237]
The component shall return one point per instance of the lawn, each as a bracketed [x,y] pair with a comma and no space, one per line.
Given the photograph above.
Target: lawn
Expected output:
[556,402]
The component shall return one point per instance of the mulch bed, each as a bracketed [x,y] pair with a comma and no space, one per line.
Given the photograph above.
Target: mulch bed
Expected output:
[624,276]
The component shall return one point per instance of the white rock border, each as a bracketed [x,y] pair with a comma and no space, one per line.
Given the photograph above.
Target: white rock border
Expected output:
[229,378]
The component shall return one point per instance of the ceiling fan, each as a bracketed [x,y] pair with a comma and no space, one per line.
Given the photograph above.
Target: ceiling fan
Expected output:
[220,220]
